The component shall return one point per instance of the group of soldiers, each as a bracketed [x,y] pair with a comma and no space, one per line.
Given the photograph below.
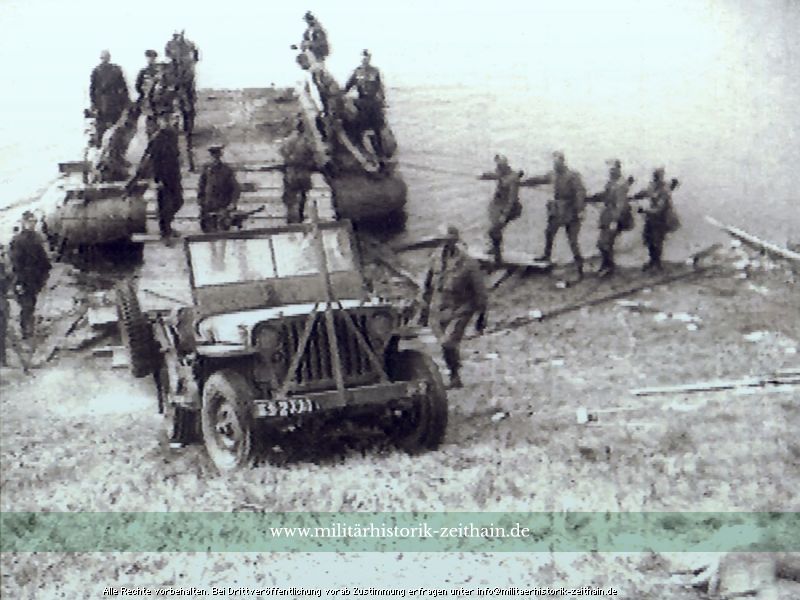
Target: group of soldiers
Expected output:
[165,95]
[566,209]
[162,88]
[455,289]
[366,113]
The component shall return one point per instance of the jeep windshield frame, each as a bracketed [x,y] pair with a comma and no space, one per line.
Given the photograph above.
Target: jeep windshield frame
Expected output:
[277,266]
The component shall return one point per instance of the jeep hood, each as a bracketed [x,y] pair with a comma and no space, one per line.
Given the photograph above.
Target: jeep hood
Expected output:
[237,327]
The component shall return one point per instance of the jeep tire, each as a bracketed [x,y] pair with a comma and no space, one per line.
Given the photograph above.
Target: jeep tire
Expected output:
[227,420]
[136,331]
[422,426]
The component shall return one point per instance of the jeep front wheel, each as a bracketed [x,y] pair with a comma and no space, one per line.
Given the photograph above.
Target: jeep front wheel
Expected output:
[227,420]
[422,425]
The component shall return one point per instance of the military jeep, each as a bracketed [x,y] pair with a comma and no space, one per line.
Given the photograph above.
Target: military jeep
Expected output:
[281,331]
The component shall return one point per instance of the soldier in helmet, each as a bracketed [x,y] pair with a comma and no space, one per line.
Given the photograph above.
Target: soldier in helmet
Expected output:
[615,217]
[108,93]
[505,205]
[659,217]
[565,209]
[454,291]
[299,162]
[146,79]
[217,192]
[30,266]
[315,38]
[371,99]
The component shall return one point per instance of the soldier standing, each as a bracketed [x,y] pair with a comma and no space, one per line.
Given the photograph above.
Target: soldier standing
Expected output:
[146,79]
[315,38]
[31,267]
[217,193]
[180,74]
[108,93]
[162,160]
[371,99]
[4,308]
[565,209]
[615,217]
[505,205]
[454,291]
[298,157]
[660,217]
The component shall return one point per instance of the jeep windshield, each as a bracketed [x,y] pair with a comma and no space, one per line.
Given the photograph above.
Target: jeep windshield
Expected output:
[267,255]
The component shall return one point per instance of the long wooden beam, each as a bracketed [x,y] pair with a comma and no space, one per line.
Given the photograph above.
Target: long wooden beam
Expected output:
[752,240]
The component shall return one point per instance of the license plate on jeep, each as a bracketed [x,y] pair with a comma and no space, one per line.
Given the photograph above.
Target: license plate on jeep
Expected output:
[285,408]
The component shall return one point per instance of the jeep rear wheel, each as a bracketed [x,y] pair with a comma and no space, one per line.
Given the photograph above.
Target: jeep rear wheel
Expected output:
[136,331]
[227,420]
[422,425]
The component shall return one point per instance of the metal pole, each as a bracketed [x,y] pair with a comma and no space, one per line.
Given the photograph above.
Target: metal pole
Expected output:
[322,263]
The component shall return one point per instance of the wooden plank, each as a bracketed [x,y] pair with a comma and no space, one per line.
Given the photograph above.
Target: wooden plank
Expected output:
[755,241]
[102,316]
[713,386]
[431,242]
[106,350]
[513,260]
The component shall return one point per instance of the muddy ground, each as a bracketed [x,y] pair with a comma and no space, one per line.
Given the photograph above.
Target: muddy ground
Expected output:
[79,435]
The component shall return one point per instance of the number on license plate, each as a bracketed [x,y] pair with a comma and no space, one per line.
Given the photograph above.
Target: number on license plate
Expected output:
[291,406]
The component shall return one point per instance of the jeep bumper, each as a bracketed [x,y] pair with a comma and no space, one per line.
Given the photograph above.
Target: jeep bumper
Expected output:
[379,393]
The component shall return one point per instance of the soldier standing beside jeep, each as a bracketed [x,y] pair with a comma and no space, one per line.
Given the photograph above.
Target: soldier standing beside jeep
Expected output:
[217,193]
[454,291]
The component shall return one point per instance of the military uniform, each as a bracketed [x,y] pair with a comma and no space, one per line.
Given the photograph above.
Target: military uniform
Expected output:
[109,96]
[454,291]
[660,219]
[298,157]
[217,192]
[162,159]
[4,310]
[31,267]
[144,83]
[504,207]
[615,218]
[315,40]
[370,102]
[564,210]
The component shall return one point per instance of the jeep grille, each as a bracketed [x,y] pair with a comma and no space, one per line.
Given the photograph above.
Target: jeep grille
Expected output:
[316,367]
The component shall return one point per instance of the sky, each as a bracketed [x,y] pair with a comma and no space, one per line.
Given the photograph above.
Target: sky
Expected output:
[729,66]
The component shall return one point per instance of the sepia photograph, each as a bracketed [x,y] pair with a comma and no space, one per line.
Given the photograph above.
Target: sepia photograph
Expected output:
[400,299]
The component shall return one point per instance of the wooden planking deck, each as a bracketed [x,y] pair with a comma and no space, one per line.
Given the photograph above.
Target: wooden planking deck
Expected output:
[251,123]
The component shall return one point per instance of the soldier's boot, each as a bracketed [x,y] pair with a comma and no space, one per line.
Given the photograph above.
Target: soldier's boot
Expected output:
[655,259]
[548,247]
[453,363]
[579,267]
[607,266]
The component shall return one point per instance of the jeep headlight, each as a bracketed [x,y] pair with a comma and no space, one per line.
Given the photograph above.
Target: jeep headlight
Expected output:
[381,326]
